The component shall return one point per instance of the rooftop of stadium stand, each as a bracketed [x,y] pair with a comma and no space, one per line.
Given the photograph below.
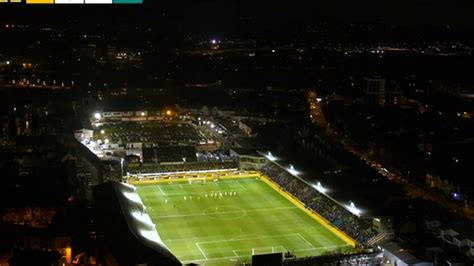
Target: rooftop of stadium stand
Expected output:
[403,254]
[130,225]
[169,154]
[246,152]
[368,193]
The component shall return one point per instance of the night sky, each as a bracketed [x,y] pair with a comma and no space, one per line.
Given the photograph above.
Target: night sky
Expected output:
[407,12]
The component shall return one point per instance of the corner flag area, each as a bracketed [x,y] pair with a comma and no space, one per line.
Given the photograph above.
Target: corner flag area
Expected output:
[226,221]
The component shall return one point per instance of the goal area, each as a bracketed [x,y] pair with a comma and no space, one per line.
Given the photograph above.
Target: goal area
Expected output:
[196,180]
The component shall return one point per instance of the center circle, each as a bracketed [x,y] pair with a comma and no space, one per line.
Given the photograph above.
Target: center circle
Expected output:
[225,212]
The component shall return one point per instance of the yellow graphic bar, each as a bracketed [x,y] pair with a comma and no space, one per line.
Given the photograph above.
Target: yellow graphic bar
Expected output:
[40,1]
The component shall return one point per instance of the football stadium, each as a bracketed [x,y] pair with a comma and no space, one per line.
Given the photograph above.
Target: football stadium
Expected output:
[193,204]
[229,219]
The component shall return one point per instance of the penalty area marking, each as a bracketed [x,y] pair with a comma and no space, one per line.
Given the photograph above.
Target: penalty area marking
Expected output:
[251,251]
[239,257]
[162,192]
[200,250]
[295,239]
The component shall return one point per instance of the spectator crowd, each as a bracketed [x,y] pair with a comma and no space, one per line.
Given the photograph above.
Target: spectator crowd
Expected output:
[358,228]
[164,168]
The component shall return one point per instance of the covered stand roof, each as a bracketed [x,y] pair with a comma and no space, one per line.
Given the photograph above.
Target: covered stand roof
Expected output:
[127,228]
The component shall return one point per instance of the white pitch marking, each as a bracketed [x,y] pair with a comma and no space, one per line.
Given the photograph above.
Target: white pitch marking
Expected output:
[240,256]
[247,238]
[304,239]
[202,214]
[162,193]
[242,187]
[323,248]
[202,252]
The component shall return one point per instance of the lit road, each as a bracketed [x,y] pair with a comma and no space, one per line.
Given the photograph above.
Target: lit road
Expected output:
[413,190]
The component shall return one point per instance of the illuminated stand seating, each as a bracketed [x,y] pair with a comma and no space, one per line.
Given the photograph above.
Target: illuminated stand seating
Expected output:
[359,229]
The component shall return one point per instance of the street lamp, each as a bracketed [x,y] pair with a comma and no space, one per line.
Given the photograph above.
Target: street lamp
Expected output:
[97,116]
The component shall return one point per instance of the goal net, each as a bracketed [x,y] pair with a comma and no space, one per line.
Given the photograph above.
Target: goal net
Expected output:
[197,180]
[268,250]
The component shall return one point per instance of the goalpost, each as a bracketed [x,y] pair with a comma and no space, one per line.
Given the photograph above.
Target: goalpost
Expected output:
[268,250]
[198,180]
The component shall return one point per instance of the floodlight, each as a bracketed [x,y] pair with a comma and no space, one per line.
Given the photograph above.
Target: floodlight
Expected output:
[270,157]
[292,170]
[97,116]
[353,209]
[320,188]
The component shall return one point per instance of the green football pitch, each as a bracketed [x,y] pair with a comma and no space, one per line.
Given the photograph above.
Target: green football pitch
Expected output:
[199,225]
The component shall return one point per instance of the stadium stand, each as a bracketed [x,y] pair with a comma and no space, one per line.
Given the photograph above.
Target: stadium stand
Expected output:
[164,168]
[131,240]
[359,229]
[169,154]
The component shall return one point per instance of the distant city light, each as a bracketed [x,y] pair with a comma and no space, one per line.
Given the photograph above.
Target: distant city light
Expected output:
[102,131]
[8,62]
[213,41]
[168,112]
[143,113]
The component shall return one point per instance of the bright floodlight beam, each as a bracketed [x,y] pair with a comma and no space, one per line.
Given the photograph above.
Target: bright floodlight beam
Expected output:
[353,209]
[270,157]
[320,188]
[292,170]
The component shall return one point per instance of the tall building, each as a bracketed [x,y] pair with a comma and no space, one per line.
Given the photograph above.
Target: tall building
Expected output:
[374,90]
